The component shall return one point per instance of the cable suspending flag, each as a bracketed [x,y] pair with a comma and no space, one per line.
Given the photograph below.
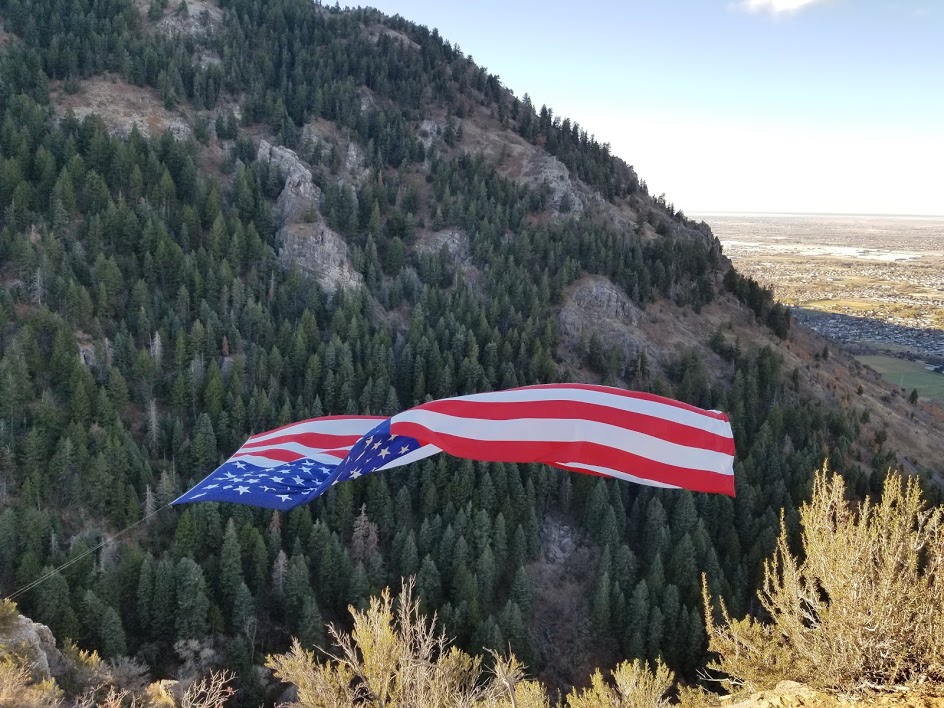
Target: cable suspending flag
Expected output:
[598,430]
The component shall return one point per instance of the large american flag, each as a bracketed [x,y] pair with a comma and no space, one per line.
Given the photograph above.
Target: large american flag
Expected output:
[598,430]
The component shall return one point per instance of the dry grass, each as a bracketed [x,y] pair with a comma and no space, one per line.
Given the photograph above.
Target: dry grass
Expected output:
[864,611]
[18,690]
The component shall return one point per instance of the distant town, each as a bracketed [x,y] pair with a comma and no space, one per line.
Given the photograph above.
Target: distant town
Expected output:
[875,285]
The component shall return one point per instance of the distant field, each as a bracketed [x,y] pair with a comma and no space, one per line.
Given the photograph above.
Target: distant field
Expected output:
[908,375]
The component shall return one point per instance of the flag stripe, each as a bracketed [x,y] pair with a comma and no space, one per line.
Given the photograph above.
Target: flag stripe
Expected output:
[333,425]
[312,440]
[554,453]
[545,437]
[630,401]
[300,450]
[668,430]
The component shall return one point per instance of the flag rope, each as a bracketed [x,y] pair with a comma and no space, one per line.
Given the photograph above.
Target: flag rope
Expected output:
[26,588]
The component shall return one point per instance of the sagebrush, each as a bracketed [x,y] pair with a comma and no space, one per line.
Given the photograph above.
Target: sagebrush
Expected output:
[864,608]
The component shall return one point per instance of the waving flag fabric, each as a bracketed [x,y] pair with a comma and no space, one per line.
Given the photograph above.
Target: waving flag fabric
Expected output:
[289,466]
[637,437]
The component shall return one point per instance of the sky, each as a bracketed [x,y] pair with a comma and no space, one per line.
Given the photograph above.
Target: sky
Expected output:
[792,106]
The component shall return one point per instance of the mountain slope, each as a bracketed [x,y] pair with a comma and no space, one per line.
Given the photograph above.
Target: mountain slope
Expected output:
[284,211]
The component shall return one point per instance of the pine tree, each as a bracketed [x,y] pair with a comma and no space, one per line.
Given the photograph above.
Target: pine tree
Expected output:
[297,585]
[310,624]
[112,635]
[521,590]
[54,607]
[231,569]
[429,583]
[192,603]
[164,602]
[243,609]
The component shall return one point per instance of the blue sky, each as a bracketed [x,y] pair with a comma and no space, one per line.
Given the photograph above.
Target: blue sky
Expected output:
[733,105]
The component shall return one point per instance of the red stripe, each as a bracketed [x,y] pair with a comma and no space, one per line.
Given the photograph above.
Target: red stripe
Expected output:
[550,452]
[319,441]
[275,453]
[640,395]
[717,484]
[667,430]
[315,420]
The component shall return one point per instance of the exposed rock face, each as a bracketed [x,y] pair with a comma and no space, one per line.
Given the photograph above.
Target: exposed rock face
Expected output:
[36,642]
[540,167]
[320,253]
[300,197]
[595,306]
[429,131]
[201,19]
[519,160]
[455,240]
[352,171]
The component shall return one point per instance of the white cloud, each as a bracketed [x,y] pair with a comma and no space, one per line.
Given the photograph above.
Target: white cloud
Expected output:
[774,7]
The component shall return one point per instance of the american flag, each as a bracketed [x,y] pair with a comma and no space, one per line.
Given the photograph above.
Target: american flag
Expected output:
[290,466]
[598,430]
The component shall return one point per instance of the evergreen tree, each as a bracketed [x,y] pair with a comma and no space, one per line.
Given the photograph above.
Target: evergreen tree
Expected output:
[190,618]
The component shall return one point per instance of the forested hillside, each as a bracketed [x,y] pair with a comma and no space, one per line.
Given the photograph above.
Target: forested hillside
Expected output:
[351,218]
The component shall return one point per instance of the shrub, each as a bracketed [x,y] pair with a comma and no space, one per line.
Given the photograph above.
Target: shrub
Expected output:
[636,686]
[863,611]
[394,657]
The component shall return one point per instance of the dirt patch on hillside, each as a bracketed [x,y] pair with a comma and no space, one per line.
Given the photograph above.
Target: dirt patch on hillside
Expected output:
[121,106]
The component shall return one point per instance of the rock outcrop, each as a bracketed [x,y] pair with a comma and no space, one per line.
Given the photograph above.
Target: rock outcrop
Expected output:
[319,132]
[300,197]
[303,239]
[597,307]
[455,241]
[320,253]
[201,19]
[35,643]
[519,160]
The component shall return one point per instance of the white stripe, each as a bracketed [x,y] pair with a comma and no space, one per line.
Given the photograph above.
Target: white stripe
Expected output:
[610,400]
[353,426]
[257,459]
[303,450]
[555,430]
[419,453]
[620,475]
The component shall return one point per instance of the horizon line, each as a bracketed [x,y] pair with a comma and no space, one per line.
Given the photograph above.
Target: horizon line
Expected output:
[812,213]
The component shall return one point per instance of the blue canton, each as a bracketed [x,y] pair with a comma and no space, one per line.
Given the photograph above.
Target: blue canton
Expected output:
[282,487]
[375,450]
[294,483]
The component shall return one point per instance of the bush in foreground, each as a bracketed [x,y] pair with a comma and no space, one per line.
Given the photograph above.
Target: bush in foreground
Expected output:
[862,611]
[394,657]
